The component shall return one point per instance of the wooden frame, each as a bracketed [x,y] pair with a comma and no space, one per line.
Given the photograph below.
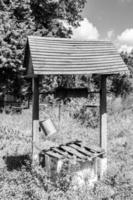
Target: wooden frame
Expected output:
[103,123]
[59,56]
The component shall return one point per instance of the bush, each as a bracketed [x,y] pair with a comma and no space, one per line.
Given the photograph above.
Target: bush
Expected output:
[86,116]
[121,85]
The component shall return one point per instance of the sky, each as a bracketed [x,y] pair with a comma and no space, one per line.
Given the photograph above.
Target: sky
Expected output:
[108,20]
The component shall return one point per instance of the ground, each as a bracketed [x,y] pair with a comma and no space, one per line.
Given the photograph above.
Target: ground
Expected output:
[15,134]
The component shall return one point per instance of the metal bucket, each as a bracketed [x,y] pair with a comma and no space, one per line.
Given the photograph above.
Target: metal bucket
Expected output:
[48,127]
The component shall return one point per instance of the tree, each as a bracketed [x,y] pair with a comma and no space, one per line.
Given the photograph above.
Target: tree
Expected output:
[122,84]
[19,19]
[52,15]
[16,23]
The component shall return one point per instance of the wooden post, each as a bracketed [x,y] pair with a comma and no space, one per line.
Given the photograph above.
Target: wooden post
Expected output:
[35,120]
[103,125]
[60,107]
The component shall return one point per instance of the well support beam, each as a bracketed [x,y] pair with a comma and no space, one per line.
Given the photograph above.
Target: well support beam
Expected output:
[35,120]
[103,125]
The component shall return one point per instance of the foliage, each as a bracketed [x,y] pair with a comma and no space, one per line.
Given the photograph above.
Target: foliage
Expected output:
[128,59]
[19,19]
[44,18]
[33,183]
[23,184]
[121,85]
[51,16]
[88,117]
[16,24]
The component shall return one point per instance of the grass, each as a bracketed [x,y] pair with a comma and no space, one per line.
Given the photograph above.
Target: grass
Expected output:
[16,141]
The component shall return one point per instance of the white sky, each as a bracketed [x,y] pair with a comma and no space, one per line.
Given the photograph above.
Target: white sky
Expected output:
[108,19]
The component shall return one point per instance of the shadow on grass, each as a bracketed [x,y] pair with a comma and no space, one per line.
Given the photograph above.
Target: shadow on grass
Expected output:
[17,162]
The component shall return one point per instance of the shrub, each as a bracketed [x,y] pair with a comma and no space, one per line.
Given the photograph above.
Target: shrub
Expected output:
[121,85]
[87,116]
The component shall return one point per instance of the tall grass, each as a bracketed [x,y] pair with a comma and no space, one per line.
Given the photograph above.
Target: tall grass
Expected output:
[33,183]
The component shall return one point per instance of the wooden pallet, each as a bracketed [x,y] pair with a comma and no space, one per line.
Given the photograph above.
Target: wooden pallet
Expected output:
[74,149]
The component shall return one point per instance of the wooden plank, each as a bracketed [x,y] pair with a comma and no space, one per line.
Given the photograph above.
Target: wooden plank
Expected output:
[48,165]
[89,154]
[94,65]
[73,151]
[85,58]
[71,66]
[60,151]
[76,62]
[65,154]
[73,46]
[47,72]
[61,48]
[103,114]
[103,125]
[81,150]
[91,148]
[72,72]
[81,46]
[35,121]
[74,51]
[93,153]
[73,54]
[68,42]
[73,43]
[65,40]
[78,71]
[53,154]
[81,68]
[94,148]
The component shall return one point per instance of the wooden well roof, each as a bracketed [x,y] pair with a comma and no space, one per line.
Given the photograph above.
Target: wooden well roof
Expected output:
[44,55]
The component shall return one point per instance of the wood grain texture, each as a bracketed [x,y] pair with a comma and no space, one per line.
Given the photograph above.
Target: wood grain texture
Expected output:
[67,56]
[35,121]
[103,125]
[103,114]
[74,149]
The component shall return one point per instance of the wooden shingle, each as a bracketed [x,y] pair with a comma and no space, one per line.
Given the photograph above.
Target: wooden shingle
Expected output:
[44,55]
